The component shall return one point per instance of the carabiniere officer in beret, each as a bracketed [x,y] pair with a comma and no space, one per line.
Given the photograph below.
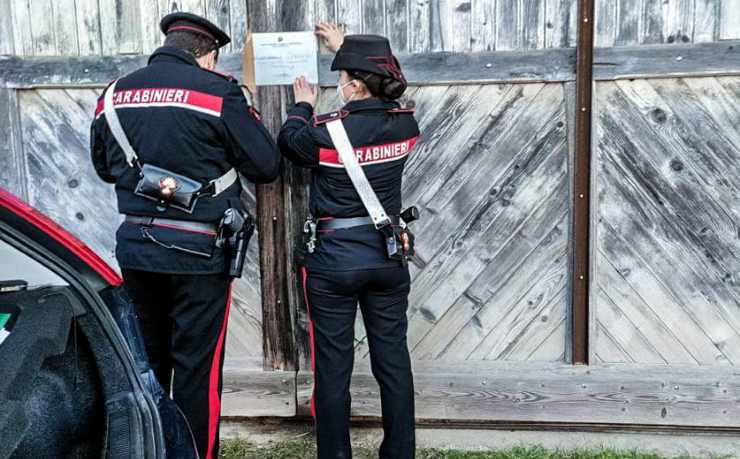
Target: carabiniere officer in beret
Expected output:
[349,260]
[190,133]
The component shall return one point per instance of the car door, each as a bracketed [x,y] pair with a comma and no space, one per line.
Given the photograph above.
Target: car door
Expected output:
[70,385]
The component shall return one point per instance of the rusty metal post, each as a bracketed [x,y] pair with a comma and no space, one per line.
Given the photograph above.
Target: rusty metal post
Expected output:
[582,182]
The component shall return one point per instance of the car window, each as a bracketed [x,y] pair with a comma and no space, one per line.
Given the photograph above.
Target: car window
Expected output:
[15,265]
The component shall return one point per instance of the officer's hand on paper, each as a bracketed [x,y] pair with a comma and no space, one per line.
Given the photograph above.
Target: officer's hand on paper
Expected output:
[304,92]
[330,34]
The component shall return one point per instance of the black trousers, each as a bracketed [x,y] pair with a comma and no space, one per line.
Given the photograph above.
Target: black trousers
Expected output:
[183,318]
[332,298]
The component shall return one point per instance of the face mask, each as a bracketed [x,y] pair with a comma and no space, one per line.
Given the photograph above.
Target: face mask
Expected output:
[340,93]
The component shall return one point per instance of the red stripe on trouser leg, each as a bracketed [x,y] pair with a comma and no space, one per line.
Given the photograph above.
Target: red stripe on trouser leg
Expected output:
[214,397]
[304,275]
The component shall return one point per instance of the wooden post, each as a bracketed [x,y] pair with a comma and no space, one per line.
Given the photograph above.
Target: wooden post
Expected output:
[277,321]
[295,17]
[582,182]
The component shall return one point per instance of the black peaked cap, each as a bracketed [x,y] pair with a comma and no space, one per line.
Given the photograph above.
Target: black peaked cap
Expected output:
[369,53]
[193,23]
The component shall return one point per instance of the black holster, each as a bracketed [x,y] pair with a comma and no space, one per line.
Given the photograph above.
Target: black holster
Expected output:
[236,229]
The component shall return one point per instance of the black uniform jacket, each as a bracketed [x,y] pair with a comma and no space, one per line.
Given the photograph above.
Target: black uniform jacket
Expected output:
[383,136]
[193,122]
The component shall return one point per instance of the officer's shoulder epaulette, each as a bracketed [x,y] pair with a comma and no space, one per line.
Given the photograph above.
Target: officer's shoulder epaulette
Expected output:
[225,76]
[402,110]
[318,120]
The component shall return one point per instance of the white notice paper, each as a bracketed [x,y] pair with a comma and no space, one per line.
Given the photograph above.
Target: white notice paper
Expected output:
[281,57]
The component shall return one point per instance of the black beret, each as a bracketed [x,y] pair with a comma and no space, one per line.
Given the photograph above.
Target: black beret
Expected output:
[193,23]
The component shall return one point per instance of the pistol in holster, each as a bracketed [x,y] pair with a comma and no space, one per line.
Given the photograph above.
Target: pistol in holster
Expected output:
[399,240]
[235,231]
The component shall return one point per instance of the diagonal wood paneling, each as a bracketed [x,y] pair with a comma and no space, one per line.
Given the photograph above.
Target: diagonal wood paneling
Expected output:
[61,182]
[668,239]
[490,178]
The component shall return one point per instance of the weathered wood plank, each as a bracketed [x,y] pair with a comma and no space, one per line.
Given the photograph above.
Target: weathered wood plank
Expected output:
[505,294]
[239,30]
[277,323]
[459,14]
[12,160]
[397,24]
[189,6]
[706,21]
[623,333]
[120,28]
[613,289]
[42,28]
[678,26]
[651,22]
[56,146]
[472,245]
[551,65]
[544,341]
[244,338]
[88,27]
[420,32]
[510,278]
[439,25]
[151,36]
[433,68]
[256,393]
[532,24]
[483,24]
[295,191]
[538,299]
[561,18]
[349,15]
[508,24]
[218,12]
[505,66]
[65,28]
[628,16]
[373,17]
[729,20]
[667,61]
[616,394]
[694,244]
[21,27]
[606,26]
[7,44]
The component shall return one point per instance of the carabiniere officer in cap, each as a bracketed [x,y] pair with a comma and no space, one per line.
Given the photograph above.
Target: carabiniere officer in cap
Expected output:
[352,258]
[174,137]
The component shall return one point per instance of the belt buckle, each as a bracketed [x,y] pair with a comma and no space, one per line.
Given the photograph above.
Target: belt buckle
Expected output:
[383,223]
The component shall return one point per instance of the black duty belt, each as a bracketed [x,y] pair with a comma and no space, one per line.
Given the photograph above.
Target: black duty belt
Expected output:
[344,223]
[182,225]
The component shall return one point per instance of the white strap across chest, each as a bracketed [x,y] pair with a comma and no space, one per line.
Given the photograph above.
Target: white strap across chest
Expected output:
[111,117]
[356,174]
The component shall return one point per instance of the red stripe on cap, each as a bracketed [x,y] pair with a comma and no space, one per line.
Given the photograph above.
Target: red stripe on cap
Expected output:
[193,29]
[214,397]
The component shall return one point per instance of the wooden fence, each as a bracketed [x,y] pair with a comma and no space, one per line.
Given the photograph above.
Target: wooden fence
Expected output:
[492,322]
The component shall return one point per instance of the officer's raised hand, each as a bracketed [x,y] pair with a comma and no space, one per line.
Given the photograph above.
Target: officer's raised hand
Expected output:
[304,92]
[330,34]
